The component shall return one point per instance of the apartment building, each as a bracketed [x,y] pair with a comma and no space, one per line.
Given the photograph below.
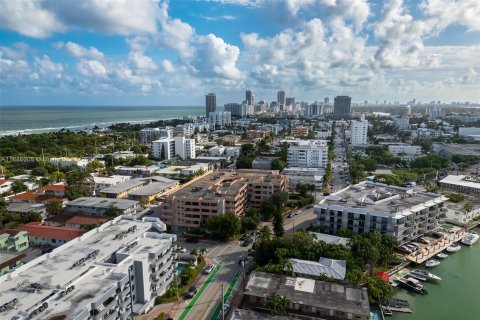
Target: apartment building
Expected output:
[402,123]
[41,235]
[107,182]
[256,134]
[402,213]
[113,272]
[309,299]
[218,193]
[308,154]
[400,148]
[359,131]
[169,148]
[148,135]
[447,150]
[65,161]
[220,119]
[299,131]
[13,240]
[141,189]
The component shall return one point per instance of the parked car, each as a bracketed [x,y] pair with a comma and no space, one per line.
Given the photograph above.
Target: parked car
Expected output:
[290,215]
[191,292]
[245,236]
[247,242]
[423,240]
[310,206]
[181,250]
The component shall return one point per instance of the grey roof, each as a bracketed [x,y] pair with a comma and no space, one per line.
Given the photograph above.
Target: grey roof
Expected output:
[102,203]
[331,239]
[153,188]
[124,186]
[25,207]
[329,267]
[310,292]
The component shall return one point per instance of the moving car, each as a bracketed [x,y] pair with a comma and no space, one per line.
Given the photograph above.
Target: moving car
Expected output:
[191,292]
[209,269]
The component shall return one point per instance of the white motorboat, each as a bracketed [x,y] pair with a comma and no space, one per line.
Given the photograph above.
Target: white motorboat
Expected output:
[423,275]
[473,232]
[442,255]
[470,239]
[432,263]
[454,247]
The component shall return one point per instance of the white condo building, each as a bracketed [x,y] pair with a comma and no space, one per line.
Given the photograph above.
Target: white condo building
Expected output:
[402,213]
[112,272]
[308,154]
[402,123]
[220,118]
[359,131]
[170,148]
[396,149]
[148,135]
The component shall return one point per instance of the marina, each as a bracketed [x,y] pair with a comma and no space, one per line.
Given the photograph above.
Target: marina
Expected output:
[450,298]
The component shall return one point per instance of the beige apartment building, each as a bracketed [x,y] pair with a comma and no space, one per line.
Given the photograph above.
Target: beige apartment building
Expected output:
[299,131]
[218,193]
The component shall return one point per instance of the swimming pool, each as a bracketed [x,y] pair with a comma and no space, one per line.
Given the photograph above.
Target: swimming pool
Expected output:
[181,267]
[375,314]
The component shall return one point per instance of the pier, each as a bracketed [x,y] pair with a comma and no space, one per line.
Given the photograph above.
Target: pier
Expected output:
[428,251]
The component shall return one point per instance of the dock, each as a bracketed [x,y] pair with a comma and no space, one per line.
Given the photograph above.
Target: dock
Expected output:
[397,305]
[430,251]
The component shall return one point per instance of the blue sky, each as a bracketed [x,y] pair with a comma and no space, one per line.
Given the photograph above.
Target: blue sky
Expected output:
[153,52]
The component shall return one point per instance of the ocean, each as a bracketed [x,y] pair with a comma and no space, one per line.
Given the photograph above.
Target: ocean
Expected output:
[37,119]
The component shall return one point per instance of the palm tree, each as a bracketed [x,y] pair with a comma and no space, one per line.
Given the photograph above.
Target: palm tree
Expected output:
[468,206]
[277,304]
[264,233]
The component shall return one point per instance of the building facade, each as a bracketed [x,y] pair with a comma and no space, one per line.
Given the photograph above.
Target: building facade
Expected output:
[405,149]
[220,119]
[94,277]
[342,106]
[218,193]
[148,135]
[169,148]
[210,103]
[398,212]
[359,132]
[308,154]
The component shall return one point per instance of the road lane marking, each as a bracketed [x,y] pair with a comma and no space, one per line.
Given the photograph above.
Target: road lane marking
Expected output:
[199,293]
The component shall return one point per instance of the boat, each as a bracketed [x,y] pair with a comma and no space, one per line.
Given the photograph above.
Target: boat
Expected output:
[423,275]
[432,263]
[387,312]
[454,248]
[412,285]
[442,255]
[473,232]
[470,239]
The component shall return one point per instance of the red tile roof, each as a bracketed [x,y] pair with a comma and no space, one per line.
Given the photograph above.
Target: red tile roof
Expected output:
[35,197]
[76,219]
[35,229]
[54,187]
[2,181]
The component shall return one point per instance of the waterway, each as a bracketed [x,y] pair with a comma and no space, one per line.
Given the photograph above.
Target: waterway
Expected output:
[456,296]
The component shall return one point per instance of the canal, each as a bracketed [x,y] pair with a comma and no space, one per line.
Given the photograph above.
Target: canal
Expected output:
[456,296]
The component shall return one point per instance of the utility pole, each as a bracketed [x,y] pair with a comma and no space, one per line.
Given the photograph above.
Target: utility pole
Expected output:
[223,307]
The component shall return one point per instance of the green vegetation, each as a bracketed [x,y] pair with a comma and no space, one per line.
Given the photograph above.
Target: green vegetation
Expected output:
[54,208]
[367,253]
[188,275]
[79,184]
[455,197]
[278,164]
[277,304]
[224,227]
[18,186]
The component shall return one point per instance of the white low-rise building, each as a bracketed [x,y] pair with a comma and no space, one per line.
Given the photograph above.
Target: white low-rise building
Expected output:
[308,154]
[217,151]
[401,213]
[462,184]
[98,206]
[298,175]
[106,182]
[169,148]
[112,272]
[65,161]
[232,152]
[220,119]
[397,149]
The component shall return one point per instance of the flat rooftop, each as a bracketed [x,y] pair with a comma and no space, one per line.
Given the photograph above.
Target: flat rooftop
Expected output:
[381,198]
[310,292]
[461,149]
[153,188]
[112,179]
[462,180]
[124,186]
[217,184]
[55,270]
[25,207]
[102,203]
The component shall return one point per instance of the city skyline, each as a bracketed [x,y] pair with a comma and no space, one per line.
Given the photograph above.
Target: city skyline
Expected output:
[154,52]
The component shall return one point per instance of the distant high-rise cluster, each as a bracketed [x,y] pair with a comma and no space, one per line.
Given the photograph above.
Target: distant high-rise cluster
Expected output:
[281,99]
[249,98]
[210,103]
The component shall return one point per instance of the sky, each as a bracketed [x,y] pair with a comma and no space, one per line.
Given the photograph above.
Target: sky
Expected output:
[156,52]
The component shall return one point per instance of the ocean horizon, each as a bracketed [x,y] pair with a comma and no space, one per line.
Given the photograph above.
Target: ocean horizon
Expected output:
[26,119]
